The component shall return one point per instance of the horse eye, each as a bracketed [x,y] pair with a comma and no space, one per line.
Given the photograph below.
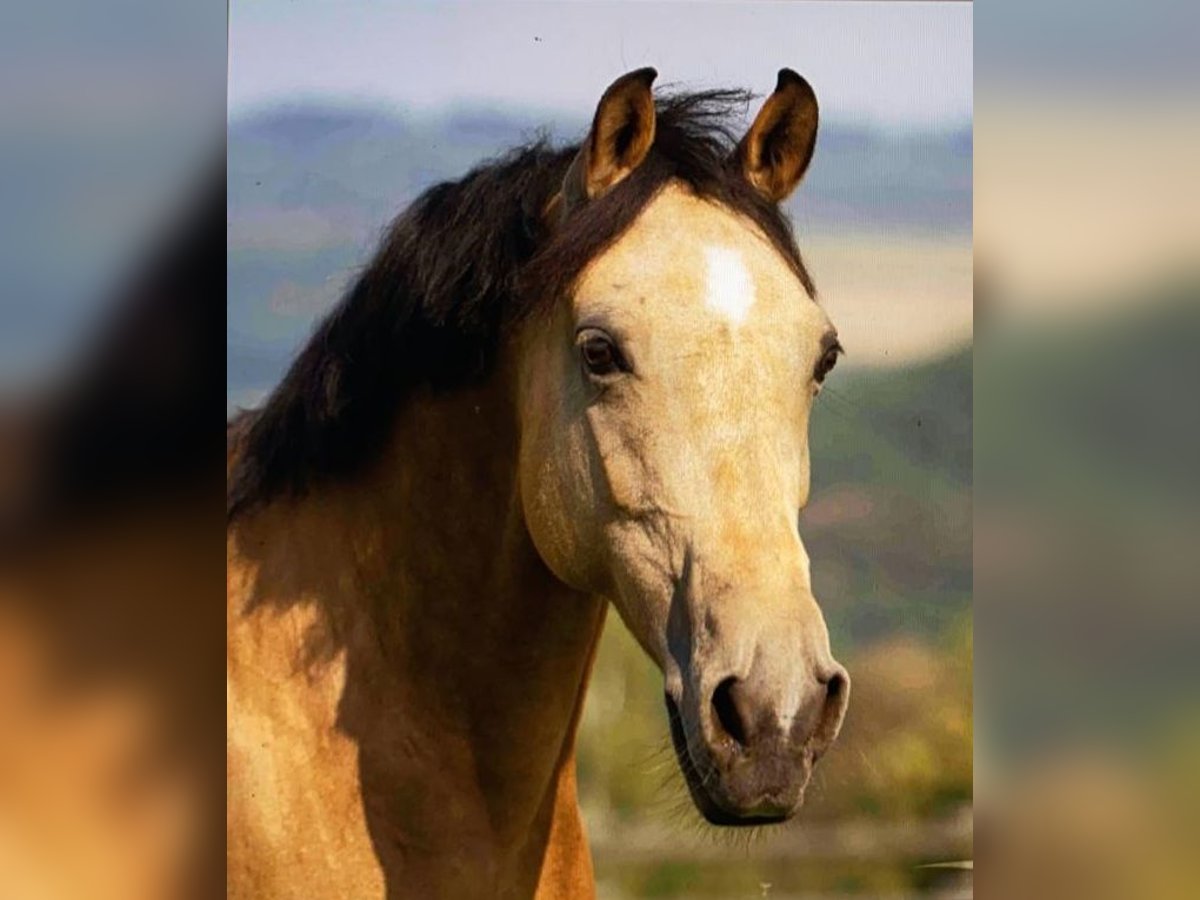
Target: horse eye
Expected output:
[599,354]
[828,361]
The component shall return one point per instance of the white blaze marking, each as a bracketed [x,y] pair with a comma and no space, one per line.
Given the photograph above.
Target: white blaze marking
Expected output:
[730,290]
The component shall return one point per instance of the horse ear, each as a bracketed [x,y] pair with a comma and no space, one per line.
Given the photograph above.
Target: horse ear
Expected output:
[779,145]
[621,135]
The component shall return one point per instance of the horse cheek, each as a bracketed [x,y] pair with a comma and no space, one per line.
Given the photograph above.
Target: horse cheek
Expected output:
[554,502]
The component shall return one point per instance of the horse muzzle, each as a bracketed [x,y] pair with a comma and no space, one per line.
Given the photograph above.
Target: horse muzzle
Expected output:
[746,752]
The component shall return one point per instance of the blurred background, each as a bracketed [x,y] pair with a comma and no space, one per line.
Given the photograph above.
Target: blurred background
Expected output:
[1086,434]
[112,275]
[340,116]
[112,115]
[1086,441]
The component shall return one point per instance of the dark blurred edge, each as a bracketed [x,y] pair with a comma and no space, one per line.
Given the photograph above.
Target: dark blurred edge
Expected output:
[140,417]
[112,470]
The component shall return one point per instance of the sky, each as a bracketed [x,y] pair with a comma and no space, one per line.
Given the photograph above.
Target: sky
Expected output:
[886,63]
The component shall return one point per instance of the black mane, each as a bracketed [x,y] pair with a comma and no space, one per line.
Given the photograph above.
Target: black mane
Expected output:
[464,262]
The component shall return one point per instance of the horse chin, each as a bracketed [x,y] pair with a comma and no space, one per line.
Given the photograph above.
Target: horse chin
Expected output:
[705,803]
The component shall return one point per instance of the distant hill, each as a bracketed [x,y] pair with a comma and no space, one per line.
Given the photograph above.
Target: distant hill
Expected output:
[1102,393]
[888,526]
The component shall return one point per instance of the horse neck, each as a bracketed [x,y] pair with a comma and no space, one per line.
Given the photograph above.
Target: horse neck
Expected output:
[466,660]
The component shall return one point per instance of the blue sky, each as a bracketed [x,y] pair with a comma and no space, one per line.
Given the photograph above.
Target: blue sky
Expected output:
[888,63]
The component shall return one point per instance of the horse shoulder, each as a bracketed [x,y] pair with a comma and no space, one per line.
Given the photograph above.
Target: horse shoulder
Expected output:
[295,819]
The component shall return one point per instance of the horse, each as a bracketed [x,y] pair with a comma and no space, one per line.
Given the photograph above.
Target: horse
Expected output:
[575,377]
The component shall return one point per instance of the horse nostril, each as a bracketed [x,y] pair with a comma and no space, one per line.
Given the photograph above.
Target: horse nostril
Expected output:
[726,711]
[835,686]
[837,696]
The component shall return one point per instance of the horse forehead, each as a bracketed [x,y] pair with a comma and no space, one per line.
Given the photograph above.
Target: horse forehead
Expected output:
[700,256]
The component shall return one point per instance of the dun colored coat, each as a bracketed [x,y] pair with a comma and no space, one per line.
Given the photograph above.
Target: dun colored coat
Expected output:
[572,378]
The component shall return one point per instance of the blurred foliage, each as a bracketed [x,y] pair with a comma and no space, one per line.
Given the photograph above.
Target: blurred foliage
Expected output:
[1086,582]
[889,523]
[1088,525]
[1102,401]
[905,750]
